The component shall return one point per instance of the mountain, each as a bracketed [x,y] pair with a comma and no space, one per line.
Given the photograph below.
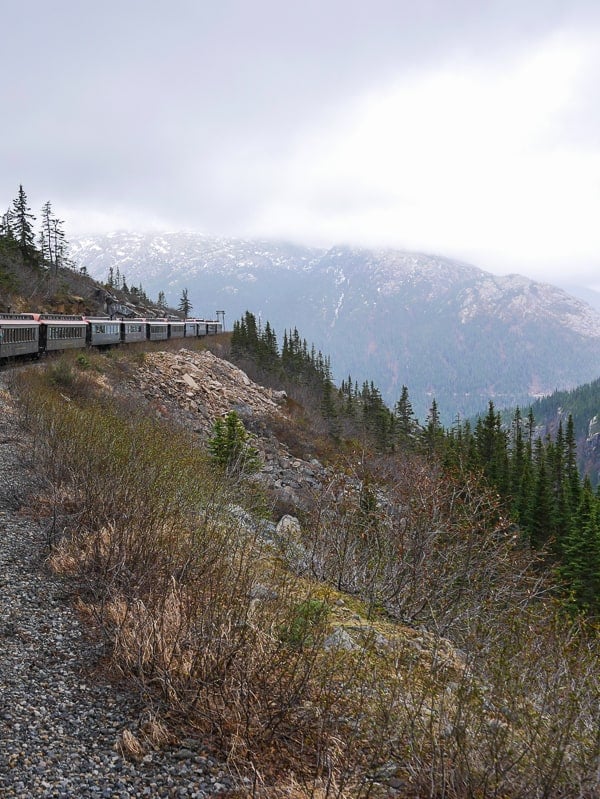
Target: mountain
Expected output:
[585,293]
[444,328]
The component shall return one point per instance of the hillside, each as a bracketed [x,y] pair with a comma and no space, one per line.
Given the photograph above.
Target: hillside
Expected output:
[443,328]
[365,626]
[29,284]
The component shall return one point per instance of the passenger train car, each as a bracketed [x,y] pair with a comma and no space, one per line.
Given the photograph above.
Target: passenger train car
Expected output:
[35,334]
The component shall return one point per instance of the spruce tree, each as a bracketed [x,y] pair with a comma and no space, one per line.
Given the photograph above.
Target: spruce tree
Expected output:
[405,421]
[581,556]
[434,433]
[543,519]
[22,224]
[46,234]
[231,446]
[185,306]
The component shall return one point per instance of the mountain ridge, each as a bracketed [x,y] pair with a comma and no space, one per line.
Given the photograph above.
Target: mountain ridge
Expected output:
[443,327]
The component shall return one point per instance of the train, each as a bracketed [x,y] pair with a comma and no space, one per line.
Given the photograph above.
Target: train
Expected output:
[34,334]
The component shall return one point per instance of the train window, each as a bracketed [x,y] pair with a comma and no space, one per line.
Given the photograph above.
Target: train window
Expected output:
[18,335]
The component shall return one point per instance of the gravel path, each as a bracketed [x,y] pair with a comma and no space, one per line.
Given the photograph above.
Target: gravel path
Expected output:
[60,722]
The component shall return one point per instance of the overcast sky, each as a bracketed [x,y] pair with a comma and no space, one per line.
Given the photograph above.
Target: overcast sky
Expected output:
[468,128]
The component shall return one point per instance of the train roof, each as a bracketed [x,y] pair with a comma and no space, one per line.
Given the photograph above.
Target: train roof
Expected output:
[56,317]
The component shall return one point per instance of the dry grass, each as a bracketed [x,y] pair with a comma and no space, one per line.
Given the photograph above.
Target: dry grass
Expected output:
[130,746]
[210,622]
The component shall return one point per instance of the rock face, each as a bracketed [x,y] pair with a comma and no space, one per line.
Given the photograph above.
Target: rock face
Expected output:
[196,388]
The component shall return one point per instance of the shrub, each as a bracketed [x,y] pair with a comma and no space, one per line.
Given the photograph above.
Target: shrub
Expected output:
[83,361]
[198,606]
[308,618]
[61,373]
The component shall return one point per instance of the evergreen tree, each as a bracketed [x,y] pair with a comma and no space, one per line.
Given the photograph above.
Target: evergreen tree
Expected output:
[6,225]
[406,423]
[22,224]
[517,459]
[434,434]
[46,234]
[542,519]
[231,446]
[185,306]
[581,557]
[571,472]
[59,244]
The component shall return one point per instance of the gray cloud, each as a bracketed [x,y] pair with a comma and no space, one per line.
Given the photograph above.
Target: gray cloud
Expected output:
[213,115]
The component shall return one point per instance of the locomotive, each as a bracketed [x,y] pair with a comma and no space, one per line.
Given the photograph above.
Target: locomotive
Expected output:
[33,334]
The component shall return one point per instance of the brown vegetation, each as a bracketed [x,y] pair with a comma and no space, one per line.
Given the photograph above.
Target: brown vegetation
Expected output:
[402,642]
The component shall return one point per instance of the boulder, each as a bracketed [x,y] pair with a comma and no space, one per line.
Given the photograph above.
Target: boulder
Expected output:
[288,527]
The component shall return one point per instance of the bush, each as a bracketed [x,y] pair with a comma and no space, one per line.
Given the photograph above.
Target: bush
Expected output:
[198,607]
[308,619]
[83,361]
[61,373]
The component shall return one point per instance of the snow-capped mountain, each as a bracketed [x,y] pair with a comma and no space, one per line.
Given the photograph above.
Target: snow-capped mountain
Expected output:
[444,328]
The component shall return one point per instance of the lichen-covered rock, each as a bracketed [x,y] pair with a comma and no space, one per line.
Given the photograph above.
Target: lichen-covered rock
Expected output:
[340,639]
[288,527]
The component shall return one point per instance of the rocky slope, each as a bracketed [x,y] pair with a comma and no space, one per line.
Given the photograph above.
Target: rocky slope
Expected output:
[61,721]
[196,388]
[444,328]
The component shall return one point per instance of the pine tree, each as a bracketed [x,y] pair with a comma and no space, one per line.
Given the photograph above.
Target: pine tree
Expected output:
[542,523]
[571,472]
[59,244]
[328,408]
[231,446]
[581,557]
[46,234]
[434,434]
[405,421]
[185,306]
[22,224]
[6,226]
